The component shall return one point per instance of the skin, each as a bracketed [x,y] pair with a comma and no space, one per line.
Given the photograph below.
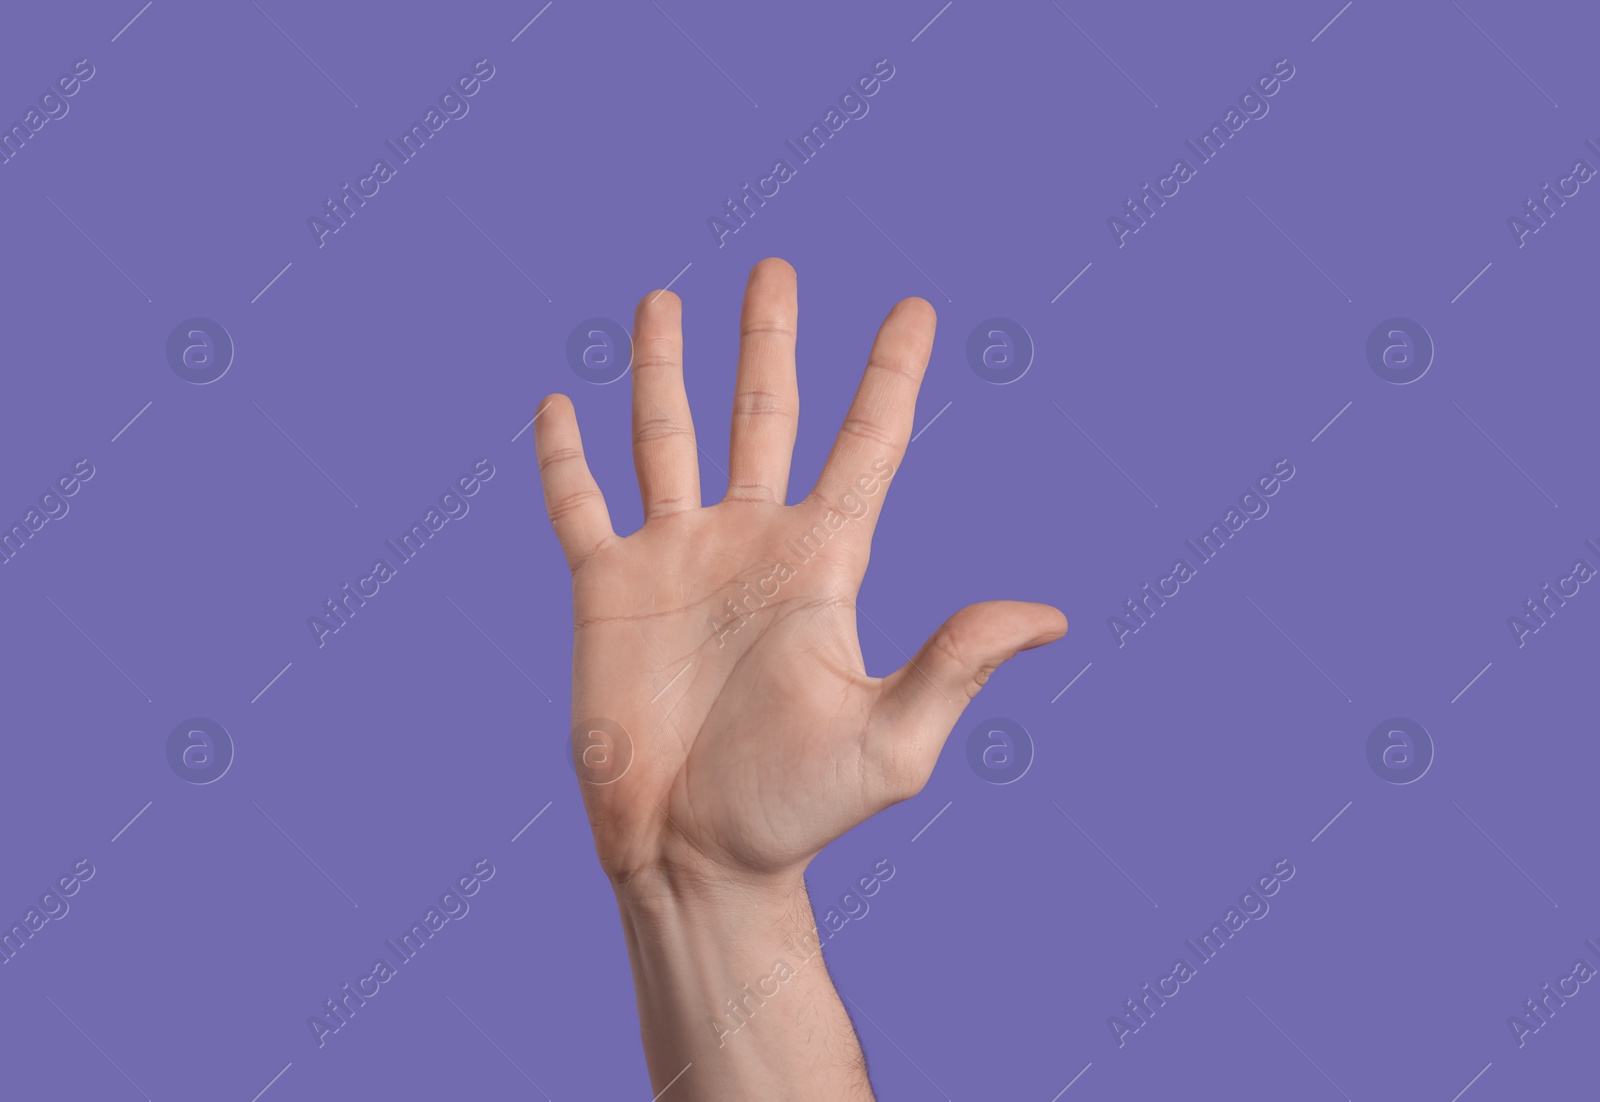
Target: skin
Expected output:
[740,743]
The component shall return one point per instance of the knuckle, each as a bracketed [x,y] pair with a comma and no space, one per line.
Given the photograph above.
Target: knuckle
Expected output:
[767,327]
[655,429]
[559,455]
[868,430]
[761,403]
[647,360]
[978,680]
[892,366]
[567,504]
[948,646]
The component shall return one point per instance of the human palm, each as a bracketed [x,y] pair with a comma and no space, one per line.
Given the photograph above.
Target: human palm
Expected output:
[725,725]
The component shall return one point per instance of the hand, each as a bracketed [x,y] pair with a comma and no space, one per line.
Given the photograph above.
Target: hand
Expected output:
[726,729]
[722,639]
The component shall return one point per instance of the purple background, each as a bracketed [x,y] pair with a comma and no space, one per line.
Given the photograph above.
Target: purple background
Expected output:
[414,343]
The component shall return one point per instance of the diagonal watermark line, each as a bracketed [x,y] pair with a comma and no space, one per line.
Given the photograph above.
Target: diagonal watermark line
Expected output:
[273,682]
[1502,451]
[497,1048]
[1075,1078]
[499,250]
[529,425]
[898,1049]
[271,281]
[1296,646]
[931,821]
[1506,855]
[275,1078]
[929,425]
[1475,1078]
[134,418]
[1071,683]
[1336,416]
[1299,250]
[1105,55]
[674,1079]
[1473,682]
[898,249]
[1297,1048]
[97,1048]
[131,821]
[306,855]
[302,451]
[132,21]
[671,281]
[1503,54]
[671,683]
[531,821]
[1471,281]
[932,21]
[1103,452]
[98,249]
[496,646]
[303,54]
[96,646]
[532,21]
[1331,821]
[1331,22]
[1106,855]
[705,55]
[1074,279]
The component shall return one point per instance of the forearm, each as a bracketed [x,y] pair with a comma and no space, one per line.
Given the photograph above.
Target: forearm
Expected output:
[731,985]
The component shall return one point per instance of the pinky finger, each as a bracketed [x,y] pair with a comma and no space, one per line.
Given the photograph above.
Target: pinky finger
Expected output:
[572,498]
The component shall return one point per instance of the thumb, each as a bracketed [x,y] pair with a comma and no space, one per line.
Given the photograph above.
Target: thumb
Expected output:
[922,700]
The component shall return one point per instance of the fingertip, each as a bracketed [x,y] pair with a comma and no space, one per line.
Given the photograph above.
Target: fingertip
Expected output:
[556,404]
[918,309]
[1061,625]
[914,318]
[661,303]
[1044,623]
[773,265]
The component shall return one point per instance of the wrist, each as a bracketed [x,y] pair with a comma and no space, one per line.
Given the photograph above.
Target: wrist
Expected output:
[729,973]
[738,913]
[707,934]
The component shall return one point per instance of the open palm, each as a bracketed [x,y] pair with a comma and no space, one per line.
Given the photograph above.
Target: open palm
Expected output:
[724,724]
